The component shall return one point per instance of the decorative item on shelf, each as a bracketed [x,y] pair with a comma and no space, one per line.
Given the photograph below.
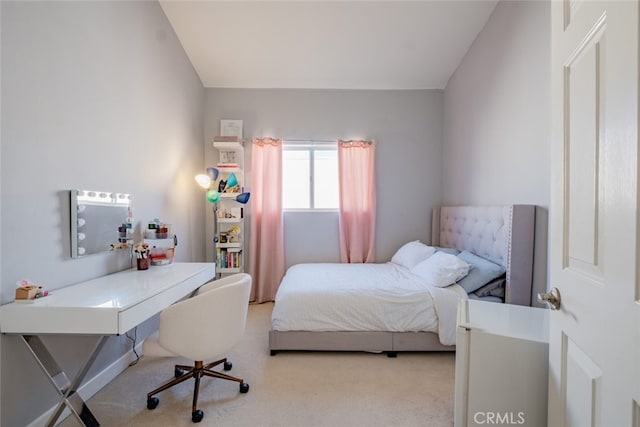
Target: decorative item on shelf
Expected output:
[228,159]
[233,234]
[230,128]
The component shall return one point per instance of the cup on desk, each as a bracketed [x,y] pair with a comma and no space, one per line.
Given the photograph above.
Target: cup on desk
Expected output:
[143,263]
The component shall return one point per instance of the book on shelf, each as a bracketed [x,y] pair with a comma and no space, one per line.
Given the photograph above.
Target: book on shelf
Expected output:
[228,166]
[229,258]
[227,139]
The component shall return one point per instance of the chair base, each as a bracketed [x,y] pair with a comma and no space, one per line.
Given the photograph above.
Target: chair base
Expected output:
[197,371]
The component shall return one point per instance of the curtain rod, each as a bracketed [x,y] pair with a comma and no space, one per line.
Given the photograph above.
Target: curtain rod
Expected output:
[302,143]
[355,143]
[321,141]
[359,141]
[309,142]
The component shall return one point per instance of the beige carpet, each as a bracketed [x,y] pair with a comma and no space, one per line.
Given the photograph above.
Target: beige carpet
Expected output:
[289,389]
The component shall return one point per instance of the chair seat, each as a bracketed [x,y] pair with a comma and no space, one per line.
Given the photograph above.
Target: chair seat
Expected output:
[152,348]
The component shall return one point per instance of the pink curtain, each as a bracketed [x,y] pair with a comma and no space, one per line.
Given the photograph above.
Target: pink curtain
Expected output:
[356,166]
[266,262]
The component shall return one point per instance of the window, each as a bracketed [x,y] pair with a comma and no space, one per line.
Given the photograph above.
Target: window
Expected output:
[309,175]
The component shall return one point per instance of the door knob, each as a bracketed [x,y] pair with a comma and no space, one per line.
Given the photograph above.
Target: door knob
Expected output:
[552,298]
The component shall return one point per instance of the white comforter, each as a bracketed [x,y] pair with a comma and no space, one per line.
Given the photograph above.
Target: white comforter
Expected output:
[364,297]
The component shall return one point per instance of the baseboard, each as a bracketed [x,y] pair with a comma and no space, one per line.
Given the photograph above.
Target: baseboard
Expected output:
[94,385]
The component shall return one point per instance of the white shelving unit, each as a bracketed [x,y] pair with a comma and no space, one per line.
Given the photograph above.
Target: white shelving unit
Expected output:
[229,215]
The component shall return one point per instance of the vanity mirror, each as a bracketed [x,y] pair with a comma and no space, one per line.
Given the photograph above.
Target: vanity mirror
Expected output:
[100,221]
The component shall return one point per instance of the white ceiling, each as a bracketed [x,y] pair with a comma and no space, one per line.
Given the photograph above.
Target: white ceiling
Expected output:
[327,44]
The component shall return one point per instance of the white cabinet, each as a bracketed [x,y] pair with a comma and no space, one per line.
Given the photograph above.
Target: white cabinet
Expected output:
[501,365]
[229,213]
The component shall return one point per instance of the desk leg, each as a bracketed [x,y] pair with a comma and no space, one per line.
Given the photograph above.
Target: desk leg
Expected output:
[67,389]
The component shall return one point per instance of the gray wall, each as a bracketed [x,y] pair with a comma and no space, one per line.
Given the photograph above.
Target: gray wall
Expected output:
[95,95]
[497,122]
[407,126]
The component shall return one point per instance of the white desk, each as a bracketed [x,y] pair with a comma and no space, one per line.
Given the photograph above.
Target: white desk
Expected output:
[108,305]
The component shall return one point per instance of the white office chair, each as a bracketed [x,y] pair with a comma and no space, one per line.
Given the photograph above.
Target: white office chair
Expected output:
[205,326]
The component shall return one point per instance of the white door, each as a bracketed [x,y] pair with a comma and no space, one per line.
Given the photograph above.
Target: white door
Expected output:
[594,351]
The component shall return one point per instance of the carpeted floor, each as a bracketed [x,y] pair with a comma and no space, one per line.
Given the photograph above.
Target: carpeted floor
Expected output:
[289,389]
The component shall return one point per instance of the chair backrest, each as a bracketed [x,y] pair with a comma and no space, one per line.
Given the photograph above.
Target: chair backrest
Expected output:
[210,323]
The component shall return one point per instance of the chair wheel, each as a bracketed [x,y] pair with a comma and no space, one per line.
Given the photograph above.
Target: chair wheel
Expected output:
[228,366]
[244,387]
[152,403]
[196,416]
[178,372]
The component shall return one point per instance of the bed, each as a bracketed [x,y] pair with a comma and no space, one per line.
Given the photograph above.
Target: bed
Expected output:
[410,315]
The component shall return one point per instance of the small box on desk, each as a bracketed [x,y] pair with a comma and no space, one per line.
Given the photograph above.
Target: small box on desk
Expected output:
[26,292]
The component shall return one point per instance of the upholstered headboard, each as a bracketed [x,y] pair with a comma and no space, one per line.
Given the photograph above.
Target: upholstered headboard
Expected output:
[502,234]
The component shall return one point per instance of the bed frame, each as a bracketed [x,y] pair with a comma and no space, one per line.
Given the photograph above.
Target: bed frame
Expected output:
[503,234]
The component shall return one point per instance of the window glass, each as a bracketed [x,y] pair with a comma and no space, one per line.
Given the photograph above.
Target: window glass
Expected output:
[309,175]
[325,181]
[296,168]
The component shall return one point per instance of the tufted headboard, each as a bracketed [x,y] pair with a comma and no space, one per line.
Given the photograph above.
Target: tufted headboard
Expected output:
[502,234]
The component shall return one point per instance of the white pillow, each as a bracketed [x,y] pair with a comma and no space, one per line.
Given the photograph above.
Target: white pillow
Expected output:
[412,253]
[441,269]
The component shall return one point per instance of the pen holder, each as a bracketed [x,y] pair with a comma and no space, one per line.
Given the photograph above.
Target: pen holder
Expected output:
[143,263]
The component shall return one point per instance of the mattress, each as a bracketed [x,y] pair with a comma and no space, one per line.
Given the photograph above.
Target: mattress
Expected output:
[363,297]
